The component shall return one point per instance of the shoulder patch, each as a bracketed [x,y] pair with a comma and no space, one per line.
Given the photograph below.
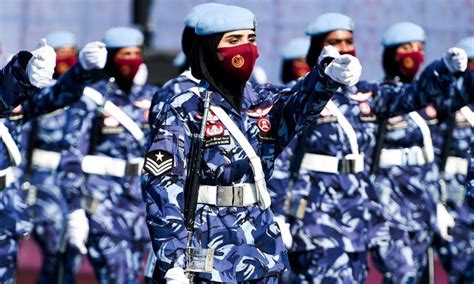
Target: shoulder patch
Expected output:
[158,162]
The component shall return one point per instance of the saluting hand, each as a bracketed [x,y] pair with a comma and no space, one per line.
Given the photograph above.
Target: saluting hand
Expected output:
[40,68]
[93,55]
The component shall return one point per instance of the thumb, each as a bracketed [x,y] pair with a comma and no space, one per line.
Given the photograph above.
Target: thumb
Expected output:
[42,43]
[81,247]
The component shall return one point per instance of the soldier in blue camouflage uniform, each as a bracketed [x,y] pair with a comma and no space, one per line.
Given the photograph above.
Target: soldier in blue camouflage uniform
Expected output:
[294,63]
[235,233]
[20,79]
[332,242]
[179,84]
[59,94]
[44,143]
[105,135]
[455,130]
[407,178]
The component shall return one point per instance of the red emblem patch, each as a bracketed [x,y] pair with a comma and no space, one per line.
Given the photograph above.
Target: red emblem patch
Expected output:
[431,112]
[109,121]
[364,108]
[215,129]
[264,124]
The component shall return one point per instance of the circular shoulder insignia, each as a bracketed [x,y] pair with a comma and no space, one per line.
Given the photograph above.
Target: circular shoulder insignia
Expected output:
[215,129]
[264,124]
[431,112]
[364,108]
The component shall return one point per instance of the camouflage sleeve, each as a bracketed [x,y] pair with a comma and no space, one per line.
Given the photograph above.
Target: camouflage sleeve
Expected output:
[76,141]
[279,182]
[67,90]
[296,108]
[15,85]
[468,88]
[434,84]
[162,186]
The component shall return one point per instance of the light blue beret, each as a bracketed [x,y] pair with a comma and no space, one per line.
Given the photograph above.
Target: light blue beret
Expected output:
[403,32]
[296,48]
[224,19]
[468,45]
[330,22]
[197,11]
[122,37]
[60,39]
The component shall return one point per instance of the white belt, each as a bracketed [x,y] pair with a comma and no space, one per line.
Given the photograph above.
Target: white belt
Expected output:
[414,156]
[102,165]
[456,165]
[239,195]
[45,159]
[328,164]
[7,177]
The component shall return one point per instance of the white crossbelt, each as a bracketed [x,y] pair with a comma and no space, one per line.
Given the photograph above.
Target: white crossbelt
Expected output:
[328,164]
[456,165]
[10,144]
[7,177]
[426,133]
[107,166]
[256,164]
[468,114]
[413,156]
[346,126]
[45,159]
[240,195]
[110,108]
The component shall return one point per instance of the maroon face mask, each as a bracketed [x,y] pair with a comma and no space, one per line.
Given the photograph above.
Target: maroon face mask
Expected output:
[409,62]
[126,68]
[238,61]
[299,69]
[350,52]
[64,63]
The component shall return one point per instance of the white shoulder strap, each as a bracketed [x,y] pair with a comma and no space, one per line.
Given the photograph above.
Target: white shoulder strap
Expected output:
[425,131]
[255,162]
[468,114]
[190,76]
[116,113]
[346,126]
[12,148]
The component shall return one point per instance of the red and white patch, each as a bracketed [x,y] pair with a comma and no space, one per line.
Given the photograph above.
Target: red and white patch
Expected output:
[395,119]
[361,97]
[325,112]
[365,108]
[260,112]
[109,121]
[264,124]
[146,104]
[17,110]
[460,117]
[211,117]
[431,112]
[216,129]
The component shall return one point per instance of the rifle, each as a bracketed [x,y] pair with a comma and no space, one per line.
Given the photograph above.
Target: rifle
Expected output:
[374,166]
[448,141]
[191,186]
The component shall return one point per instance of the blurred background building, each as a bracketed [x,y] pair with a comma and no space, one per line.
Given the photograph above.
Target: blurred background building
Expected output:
[23,22]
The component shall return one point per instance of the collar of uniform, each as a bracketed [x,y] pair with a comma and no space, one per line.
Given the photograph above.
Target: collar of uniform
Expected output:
[249,98]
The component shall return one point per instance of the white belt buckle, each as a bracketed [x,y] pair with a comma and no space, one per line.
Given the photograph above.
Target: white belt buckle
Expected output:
[230,196]
[200,260]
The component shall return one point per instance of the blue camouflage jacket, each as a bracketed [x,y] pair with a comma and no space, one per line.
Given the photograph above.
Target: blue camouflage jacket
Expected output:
[246,240]
[15,86]
[120,211]
[65,91]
